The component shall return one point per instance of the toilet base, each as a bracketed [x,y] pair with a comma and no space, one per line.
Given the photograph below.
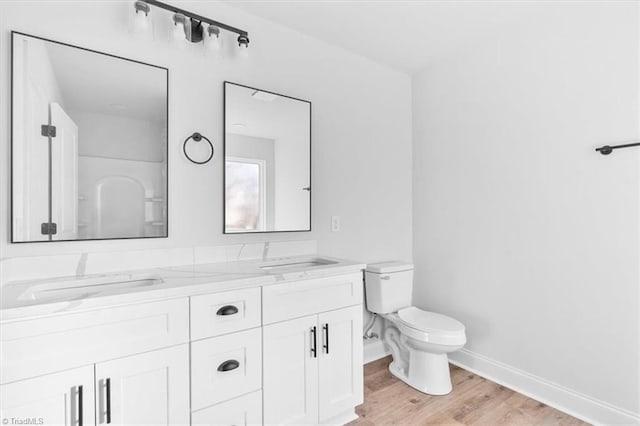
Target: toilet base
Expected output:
[428,372]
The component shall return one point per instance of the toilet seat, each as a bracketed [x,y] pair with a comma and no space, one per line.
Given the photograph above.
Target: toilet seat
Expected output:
[431,327]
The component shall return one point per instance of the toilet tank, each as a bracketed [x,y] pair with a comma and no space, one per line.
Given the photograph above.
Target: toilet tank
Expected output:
[388,286]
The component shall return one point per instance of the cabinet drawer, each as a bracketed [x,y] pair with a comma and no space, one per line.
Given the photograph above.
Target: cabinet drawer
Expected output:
[300,298]
[243,411]
[225,367]
[222,313]
[34,347]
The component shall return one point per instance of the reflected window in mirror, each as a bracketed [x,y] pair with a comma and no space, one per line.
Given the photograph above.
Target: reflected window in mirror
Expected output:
[245,194]
[89,144]
[267,161]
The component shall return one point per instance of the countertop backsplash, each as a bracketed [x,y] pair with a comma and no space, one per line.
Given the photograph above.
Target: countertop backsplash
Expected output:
[80,264]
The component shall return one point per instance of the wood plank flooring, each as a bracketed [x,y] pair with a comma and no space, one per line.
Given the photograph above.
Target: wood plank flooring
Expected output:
[473,401]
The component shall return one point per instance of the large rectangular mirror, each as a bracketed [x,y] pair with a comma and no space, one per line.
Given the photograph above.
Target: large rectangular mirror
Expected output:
[89,144]
[267,147]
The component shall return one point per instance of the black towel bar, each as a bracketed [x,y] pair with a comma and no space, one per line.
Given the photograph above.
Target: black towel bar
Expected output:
[608,149]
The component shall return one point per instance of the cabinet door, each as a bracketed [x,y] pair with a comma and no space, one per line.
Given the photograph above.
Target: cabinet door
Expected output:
[64,398]
[290,372]
[151,388]
[340,360]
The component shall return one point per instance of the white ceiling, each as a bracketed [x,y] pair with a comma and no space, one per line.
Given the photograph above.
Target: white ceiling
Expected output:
[246,115]
[403,34]
[105,84]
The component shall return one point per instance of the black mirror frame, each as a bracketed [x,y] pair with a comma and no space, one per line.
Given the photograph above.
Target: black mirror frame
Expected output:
[11,167]
[224,160]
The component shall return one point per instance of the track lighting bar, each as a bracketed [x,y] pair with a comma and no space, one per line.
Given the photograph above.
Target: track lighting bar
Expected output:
[196,17]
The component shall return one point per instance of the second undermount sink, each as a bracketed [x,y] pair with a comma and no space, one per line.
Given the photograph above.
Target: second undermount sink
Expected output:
[288,264]
[82,287]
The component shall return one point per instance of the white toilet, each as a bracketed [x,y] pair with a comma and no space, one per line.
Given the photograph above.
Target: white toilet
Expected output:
[419,340]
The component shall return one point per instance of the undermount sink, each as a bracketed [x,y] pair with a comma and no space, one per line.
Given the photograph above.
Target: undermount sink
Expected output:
[286,264]
[71,289]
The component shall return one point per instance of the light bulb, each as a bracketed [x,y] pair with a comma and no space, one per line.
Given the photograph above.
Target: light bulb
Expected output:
[178,34]
[243,45]
[213,38]
[142,19]
[140,22]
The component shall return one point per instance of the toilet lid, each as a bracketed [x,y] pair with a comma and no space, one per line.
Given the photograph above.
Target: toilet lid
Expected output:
[430,321]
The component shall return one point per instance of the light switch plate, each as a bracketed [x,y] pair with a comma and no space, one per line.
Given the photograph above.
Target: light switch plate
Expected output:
[335,223]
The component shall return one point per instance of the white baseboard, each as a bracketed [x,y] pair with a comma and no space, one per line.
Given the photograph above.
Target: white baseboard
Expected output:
[374,349]
[573,403]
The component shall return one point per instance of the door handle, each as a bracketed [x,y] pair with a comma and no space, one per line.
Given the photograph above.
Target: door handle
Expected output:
[108,402]
[325,328]
[80,407]
[314,351]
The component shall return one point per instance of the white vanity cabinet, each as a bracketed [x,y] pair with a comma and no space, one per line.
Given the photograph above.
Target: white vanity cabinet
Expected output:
[313,364]
[279,353]
[122,365]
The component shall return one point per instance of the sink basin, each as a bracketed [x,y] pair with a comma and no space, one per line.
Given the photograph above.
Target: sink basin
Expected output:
[288,264]
[71,289]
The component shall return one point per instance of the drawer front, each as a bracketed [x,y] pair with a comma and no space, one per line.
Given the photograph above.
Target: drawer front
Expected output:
[243,411]
[300,298]
[44,345]
[222,313]
[225,367]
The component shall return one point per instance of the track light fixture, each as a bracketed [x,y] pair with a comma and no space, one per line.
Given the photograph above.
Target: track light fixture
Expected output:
[179,31]
[213,37]
[190,26]
[243,41]
[142,8]
[243,44]
[141,21]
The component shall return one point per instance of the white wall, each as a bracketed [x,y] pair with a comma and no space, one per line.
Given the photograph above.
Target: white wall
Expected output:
[521,230]
[118,136]
[361,125]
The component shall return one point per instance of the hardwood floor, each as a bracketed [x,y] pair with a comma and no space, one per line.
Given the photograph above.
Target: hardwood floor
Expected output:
[473,401]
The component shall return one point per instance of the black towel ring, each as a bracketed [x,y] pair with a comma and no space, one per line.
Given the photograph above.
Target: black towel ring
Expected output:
[197,137]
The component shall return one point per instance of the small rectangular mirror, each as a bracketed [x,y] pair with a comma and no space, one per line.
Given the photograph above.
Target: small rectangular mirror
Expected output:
[89,144]
[267,152]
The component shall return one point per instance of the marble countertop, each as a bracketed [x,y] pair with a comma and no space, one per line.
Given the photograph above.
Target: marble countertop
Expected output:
[35,298]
